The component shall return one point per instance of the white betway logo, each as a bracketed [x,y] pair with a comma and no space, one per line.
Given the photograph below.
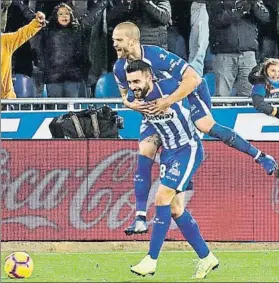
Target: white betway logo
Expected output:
[160,117]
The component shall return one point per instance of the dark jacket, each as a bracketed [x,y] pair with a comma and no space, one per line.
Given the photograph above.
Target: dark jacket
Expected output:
[152,17]
[62,57]
[271,29]
[233,29]
[23,56]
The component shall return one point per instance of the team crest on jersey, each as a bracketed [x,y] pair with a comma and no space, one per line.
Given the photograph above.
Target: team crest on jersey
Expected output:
[163,56]
[175,169]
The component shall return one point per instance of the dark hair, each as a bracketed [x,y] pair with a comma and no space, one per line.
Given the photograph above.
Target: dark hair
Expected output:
[53,20]
[138,65]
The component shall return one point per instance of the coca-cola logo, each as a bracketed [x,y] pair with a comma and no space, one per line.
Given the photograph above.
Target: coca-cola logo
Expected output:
[43,198]
[32,192]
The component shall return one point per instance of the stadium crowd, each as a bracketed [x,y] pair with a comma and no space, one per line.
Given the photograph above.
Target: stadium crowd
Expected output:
[222,40]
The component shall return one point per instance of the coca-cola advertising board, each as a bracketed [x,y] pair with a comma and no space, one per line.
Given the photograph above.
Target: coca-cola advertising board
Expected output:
[83,190]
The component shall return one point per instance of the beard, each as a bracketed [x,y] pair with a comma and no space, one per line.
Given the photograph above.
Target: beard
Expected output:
[141,93]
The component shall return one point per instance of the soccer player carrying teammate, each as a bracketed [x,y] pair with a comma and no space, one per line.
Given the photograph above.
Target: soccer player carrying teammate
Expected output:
[126,38]
[182,154]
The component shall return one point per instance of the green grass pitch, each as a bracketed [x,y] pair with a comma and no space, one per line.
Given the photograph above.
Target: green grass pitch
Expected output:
[173,266]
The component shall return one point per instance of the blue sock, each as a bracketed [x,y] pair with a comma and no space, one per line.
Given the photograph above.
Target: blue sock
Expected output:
[231,138]
[191,232]
[142,183]
[160,228]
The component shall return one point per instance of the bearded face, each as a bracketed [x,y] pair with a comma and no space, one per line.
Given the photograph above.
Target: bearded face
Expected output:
[139,83]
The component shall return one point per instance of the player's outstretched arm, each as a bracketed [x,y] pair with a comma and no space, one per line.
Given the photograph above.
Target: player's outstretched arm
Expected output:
[190,80]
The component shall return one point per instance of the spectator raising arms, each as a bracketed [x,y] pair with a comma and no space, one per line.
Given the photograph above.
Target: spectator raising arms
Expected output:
[9,43]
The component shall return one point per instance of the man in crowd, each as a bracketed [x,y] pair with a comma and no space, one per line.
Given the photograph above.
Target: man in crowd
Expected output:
[233,38]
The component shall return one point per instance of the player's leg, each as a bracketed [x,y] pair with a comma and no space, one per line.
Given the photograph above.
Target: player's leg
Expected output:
[176,170]
[204,121]
[190,230]
[160,228]
[148,146]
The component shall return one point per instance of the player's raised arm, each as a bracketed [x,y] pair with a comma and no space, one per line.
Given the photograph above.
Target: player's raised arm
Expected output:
[190,80]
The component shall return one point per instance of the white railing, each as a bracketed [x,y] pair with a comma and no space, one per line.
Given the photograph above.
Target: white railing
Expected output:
[35,104]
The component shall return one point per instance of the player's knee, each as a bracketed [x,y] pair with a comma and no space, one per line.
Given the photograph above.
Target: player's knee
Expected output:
[176,211]
[164,197]
[205,124]
[159,199]
[147,149]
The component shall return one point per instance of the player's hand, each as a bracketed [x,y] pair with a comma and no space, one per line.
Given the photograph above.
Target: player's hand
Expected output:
[140,106]
[158,106]
[41,18]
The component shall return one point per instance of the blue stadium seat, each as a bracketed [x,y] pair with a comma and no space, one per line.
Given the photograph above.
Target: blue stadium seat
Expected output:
[210,78]
[44,92]
[24,86]
[106,87]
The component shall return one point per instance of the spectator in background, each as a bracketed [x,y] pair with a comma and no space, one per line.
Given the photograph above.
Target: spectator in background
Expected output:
[233,39]
[98,51]
[179,31]
[199,35]
[47,6]
[22,59]
[265,78]
[151,16]
[63,52]
[4,12]
[269,32]
[9,43]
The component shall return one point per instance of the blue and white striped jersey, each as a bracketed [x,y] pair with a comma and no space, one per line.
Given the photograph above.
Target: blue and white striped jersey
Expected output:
[175,127]
[164,64]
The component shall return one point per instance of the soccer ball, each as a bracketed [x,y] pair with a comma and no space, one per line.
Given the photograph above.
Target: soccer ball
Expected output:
[19,265]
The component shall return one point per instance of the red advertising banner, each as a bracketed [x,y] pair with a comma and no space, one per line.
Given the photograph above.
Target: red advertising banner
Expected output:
[83,190]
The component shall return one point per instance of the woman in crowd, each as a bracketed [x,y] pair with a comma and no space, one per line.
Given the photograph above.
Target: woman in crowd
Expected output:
[265,80]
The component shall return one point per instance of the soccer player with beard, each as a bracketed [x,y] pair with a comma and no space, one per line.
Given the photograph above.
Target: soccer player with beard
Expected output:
[126,38]
[182,154]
